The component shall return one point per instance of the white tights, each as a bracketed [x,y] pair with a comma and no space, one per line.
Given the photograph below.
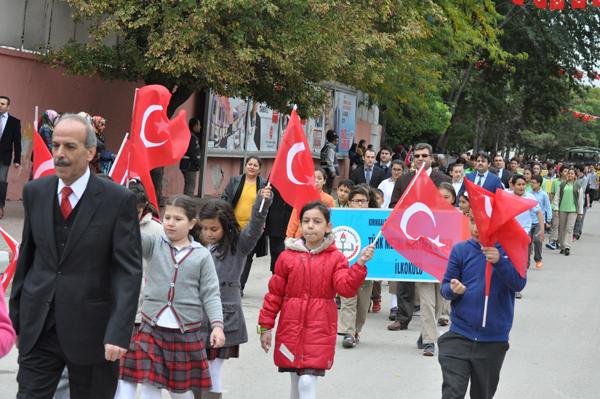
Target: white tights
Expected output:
[304,386]
[215,368]
[152,392]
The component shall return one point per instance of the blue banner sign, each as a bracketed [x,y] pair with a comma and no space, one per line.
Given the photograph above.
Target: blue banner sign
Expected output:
[354,229]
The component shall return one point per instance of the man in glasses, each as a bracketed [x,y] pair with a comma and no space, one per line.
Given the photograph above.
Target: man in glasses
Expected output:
[406,290]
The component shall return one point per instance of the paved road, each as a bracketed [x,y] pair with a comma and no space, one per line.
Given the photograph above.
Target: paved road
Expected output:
[554,351]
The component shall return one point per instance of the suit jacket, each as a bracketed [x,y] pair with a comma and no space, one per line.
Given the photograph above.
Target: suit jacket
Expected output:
[506,175]
[377,176]
[403,182]
[94,286]
[491,183]
[11,141]
[387,171]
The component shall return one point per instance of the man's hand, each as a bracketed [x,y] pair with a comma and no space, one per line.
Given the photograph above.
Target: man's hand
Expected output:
[113,353]
[457,287]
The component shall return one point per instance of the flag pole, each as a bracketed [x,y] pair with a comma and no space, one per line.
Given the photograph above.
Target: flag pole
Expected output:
[377,237]
[262,203]
[112,167]
[488,282]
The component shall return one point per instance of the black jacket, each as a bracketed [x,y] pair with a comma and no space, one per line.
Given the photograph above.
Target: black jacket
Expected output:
[191,160]
[403,182]
[11,142]
[94,287]
[358,176]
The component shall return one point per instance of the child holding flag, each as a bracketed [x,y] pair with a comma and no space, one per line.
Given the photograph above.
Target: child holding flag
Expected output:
[229,248]
[307,276]
[468,351]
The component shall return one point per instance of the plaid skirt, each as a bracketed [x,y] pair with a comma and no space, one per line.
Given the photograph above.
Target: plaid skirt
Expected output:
[167,358]
[226,352]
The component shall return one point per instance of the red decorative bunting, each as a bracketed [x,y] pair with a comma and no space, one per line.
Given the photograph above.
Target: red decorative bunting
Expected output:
[557,4]
[541,3]
[596,3]
[578,4]
[518,2]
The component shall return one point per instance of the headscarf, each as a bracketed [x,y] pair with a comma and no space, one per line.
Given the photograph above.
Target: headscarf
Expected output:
[49,117]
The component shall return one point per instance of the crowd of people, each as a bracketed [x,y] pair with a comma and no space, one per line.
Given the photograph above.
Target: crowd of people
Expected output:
[157,307]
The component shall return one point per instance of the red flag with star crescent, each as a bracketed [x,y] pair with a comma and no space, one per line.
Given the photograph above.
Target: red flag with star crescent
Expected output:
[424,226]
[13,245]
[154,140]
[43,164]
[293,172]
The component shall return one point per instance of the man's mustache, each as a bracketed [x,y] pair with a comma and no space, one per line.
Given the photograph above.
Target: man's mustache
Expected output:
[61,162]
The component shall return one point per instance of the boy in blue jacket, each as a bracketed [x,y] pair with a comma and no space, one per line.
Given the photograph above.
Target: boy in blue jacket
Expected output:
[469,351]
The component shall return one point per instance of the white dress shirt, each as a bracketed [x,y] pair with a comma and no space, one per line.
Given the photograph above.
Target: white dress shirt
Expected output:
[3,120]
[78,188]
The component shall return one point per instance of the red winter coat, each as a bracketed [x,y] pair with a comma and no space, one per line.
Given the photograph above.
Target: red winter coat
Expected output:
[303,290]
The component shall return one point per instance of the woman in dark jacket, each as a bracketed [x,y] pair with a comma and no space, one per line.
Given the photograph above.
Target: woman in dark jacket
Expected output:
[190,163]
[241,192]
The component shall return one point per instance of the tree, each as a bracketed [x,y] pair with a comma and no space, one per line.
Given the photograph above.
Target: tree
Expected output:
[277,52]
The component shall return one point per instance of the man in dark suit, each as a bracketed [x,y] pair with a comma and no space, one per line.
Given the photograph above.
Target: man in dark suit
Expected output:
[405,291]
[368,172]
[482,175]
[501,171]
[76,287]
[385,161]
[10,142]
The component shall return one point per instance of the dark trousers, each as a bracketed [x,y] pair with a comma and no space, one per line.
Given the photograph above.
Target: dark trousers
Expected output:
[463,360]
[189,182]
[376,293]
[246,271]
[276,247]
[406,301]
[157,179]
[535,245]
[41,368]
[3,183]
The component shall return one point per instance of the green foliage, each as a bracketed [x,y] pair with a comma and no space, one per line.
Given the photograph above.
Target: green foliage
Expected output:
[278,52]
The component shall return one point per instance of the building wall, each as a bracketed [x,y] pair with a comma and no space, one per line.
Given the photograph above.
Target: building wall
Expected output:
[29,82]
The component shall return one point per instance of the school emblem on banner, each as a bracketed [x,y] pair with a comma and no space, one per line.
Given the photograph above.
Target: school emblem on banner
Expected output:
[347,241]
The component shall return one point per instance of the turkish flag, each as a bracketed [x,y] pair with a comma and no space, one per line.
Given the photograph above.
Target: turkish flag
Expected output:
[127,167]
[557,4]
[494,216]
[155,139]
[541,3]
[43,163]
[13,245]
[293,172]
[423,227]
[578,4]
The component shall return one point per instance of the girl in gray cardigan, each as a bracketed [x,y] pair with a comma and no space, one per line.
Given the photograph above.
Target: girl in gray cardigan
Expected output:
[181,291]
[229,248]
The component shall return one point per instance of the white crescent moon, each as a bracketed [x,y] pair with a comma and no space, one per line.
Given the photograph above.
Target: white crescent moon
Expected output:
[488,206]
[149,110]
[409,212]
[296,148]
[44,166]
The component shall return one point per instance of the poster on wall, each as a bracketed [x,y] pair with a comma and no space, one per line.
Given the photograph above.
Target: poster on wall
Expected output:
[265,126]
[227,123]
[345,120]
[315,133]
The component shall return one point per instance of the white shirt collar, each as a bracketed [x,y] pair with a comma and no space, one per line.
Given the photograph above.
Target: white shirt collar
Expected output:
[78,185]
[429,171]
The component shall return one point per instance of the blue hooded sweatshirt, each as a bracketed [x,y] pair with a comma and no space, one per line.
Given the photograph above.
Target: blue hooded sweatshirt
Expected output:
[467,264]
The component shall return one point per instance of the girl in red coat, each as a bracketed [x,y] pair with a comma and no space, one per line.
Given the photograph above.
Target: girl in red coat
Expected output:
[308,274]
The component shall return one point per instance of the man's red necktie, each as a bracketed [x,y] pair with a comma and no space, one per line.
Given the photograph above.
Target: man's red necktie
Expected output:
[65,204]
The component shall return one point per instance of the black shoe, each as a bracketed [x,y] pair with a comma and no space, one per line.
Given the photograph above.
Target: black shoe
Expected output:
[562,251]
[349,341]
[393,312]
[567,251]
[429,350]
[420,342]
